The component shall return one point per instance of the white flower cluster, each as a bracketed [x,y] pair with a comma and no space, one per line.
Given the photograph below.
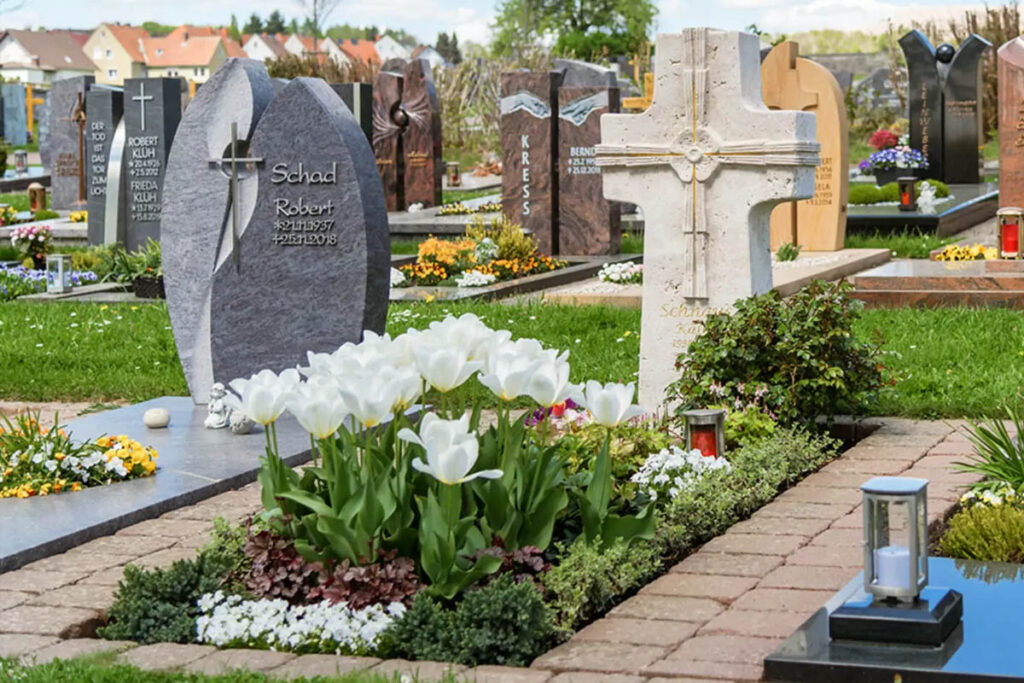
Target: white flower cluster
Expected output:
[671,471]
[475,278]
[627,273]
[486,250]
[993,497]
[397,277]
[230,621]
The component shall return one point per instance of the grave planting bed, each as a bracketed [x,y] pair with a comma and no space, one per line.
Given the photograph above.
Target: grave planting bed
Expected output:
[971,205]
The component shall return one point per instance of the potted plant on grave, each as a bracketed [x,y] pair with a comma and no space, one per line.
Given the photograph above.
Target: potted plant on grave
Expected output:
[893,159]
[34,242]
[142,270]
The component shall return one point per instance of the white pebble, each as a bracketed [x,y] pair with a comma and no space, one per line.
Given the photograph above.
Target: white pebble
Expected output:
[156,418]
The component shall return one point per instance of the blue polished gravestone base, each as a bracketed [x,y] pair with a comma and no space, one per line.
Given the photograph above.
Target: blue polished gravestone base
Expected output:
[194,463]
[985,647]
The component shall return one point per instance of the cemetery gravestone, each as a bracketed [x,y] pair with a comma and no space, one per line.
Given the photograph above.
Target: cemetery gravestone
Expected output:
[104,107]
[358,97]
[42,128]
[706,162]
[529,145]
[65,141]
[423,167]
[578,74]
[15,116]
[1011,123]
[152,110]
[588,224]
[115,211]
[793,83]
[388,121]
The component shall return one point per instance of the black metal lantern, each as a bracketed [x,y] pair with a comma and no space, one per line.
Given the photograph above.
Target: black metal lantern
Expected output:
[908,193]
[1010,220]
[454,174]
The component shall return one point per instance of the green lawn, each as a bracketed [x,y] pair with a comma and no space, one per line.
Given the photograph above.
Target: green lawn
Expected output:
[906,244]
[951,362]
[859,151]
[463,195]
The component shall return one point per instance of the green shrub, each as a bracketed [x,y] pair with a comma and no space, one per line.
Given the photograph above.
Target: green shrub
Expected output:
[159,605]
[502,623]
[512,242]
[747,425]
[46,215]
[590,578]
[797,356]
[788,252]
[866,193]
[993,534]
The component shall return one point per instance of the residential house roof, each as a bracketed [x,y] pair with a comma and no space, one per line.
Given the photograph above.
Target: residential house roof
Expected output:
[52,50]
[233,47]
[130,38]
[360,50]
[275,46]
[182,49]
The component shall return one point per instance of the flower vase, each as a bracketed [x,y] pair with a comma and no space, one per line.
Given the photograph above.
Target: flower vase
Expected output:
[893,174]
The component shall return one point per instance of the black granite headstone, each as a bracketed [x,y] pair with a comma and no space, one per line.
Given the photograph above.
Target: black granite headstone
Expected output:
[152,110]
[104,107]
[358,97]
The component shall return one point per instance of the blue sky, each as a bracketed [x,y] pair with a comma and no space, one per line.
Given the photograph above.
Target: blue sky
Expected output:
[470,18]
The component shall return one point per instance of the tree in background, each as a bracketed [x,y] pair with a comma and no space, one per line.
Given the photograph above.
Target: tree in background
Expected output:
[254,25]
[156,29]
[233,32]
[448,47]
[274,23]
[517,27]
[293,27]
[317,12]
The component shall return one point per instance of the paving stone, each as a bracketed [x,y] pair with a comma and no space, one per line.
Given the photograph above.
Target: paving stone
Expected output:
[721,588]
[803,510]
[812,578]
[506,674]
[867,468]
[164,656]
[836,480]
[63,622]
[667,608]
[883,451]
[657,632]
[609,658]
[109,577]
[780,525]
[422,672]
[164,528]
[165,558]
[726,648]
[840,537]
[755,544]
[854,520]
[10,599]
[729,671]
[135,546]
[684,679]
[80,562]
[194,542]
[310,666]
[225,661]
[90,596]
[754,623]
[828,556]
[37,581]
[820,494]
[783,600]
[77,647]
[728,564]
[590,677]
[17,644]
[953,447]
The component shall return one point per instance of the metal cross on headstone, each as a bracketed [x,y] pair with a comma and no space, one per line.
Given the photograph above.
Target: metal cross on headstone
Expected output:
[235,168]
[705,162]
[142,98]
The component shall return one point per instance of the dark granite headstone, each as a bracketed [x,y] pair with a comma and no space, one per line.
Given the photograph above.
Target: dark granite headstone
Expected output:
[529,145]
[579,74]
[196,228]
[65,141]
[423,168]
[388,123]
[15,117]
[589,224]
[152,110]
[314,257]
[944,93]
[104,107]
[358,97]
[280,84]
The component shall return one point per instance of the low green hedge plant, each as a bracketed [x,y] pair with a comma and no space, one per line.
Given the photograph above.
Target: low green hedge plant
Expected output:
[993,534]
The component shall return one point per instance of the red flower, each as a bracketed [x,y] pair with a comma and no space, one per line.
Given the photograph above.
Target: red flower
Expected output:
[883,139]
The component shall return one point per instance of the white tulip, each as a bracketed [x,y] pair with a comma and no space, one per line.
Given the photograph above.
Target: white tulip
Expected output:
[406,385]
[445,368]
[318,406]
[549,383]
[610,404]
[262,397]
[368,399]
[451,450]
[467,332]
[508,370]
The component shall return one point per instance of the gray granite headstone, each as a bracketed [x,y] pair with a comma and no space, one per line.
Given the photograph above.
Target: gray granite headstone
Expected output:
[280,83]
[41,114]
[64,148]
[152,110]
[579,74]
[196,233]
[358,97]
[104,107]
[314,259]
[15,118]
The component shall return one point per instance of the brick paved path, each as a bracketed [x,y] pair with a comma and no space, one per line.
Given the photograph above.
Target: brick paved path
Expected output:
[714,616]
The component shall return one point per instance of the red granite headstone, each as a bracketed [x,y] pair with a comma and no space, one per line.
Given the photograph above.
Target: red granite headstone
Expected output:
[421,139]
[387,135]
[529,146]
[588,224]
[1011,123]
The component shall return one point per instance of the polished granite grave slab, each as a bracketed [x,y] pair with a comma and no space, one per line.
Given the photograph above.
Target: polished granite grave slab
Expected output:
[970,205]
[917,282]
[194,463]
[984,648]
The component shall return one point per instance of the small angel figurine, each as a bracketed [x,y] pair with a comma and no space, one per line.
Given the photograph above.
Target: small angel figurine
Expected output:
[926,202]
[219,413]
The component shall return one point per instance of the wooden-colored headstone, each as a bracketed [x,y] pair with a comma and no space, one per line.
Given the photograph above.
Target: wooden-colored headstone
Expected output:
[792,82]
[1011,123]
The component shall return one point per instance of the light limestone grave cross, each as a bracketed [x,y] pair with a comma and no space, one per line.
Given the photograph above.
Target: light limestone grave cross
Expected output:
[706,162]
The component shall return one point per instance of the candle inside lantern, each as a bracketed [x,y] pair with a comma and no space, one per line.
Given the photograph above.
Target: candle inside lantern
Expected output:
[1010,238]
[904,197]
[702,437]
[892,566]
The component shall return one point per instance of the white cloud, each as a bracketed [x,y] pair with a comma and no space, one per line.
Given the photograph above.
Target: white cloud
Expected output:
[865,15]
